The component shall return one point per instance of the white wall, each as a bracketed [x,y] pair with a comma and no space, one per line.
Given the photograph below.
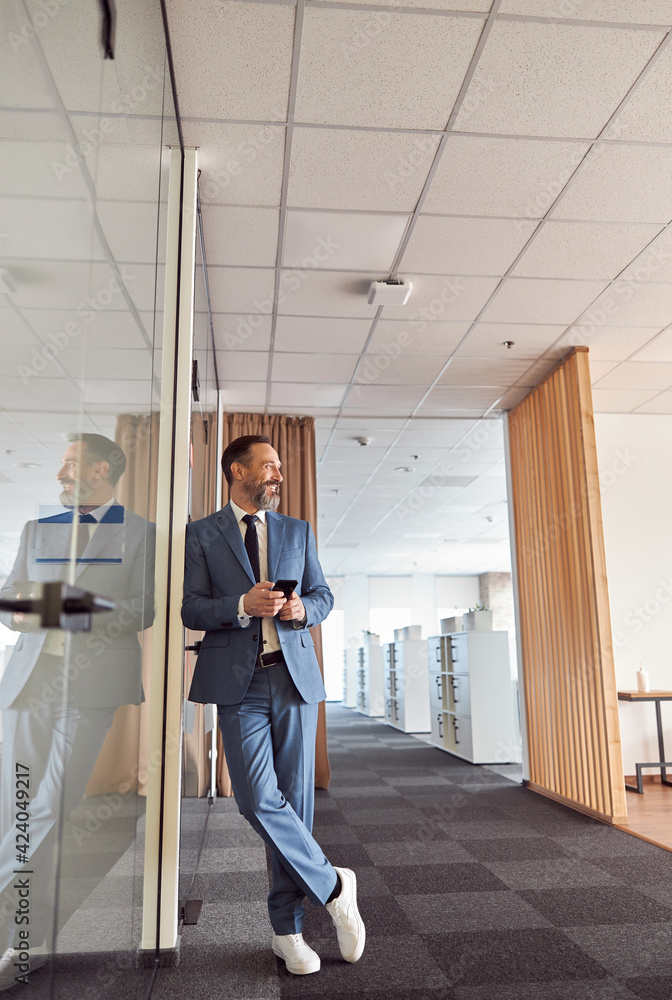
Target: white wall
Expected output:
[635,469]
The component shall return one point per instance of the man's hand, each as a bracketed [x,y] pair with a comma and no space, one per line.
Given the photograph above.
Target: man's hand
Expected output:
[293,609]
[262,601]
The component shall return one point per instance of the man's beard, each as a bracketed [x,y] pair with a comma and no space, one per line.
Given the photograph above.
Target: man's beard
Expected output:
[81,495]
[257,495]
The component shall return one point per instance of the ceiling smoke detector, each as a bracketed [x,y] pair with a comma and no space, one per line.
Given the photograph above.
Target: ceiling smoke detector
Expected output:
[389,292]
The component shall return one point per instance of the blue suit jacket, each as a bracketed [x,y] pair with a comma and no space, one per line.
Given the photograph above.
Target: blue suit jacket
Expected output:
[217,572]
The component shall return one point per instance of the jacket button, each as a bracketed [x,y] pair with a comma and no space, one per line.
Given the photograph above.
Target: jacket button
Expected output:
[255,638]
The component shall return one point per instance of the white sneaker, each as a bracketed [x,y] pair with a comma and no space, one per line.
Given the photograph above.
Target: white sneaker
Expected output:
[343,911]
[9,971]
[298,957]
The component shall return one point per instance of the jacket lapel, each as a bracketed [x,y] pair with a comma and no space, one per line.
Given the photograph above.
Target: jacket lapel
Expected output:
[228,525]
[105,542]
[275,533]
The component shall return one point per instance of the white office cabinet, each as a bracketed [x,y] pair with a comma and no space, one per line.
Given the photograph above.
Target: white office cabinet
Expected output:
[350,683]
[472,697]
[407,705]
[370,679]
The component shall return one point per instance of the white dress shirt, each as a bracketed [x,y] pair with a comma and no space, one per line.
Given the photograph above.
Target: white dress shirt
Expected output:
[268,626]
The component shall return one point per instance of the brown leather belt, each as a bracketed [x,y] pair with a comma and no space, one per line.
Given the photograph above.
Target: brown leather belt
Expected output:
[268,659]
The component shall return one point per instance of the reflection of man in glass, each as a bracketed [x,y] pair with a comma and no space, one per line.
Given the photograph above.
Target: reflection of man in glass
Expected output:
[60,690]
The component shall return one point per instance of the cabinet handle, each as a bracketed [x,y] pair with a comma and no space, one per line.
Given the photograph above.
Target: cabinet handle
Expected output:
[455,730]
[455,686]
[438,685]
[440,721]
[438,653]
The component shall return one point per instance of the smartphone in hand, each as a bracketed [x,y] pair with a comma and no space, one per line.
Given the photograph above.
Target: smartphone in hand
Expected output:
[286,586]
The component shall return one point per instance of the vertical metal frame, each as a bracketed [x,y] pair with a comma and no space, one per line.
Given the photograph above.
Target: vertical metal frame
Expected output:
[161,873]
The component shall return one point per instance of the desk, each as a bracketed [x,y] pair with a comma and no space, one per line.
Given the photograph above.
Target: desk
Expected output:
[657,697]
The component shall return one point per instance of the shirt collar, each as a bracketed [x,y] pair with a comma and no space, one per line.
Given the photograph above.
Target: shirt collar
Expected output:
[100,512]
[240,513]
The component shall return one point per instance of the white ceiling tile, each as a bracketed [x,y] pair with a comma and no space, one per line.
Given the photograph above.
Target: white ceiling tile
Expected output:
[243,394]
[648,114]
[240,164]
[654,263]
[108,363]
[130,229]
[313,367]
[534,78]
[241,290]
[408,77]
[465,246]
[610,343]
[457,397]
[661,403]
[393,338]
[620,400]
[326,294]
[67,285]
[495,176]
[373,28]
[337,168]
[321,335]
[27,168]
[241,236]
[598,369]
[306,394]
[48,228]
[621,183]
[373,396]
[242,333]
[583,249]
[232,60]
[329,240]
[378,367]
[652,12]
[638,375]
[114,391]
[486,340]
[442,298]
[127,172]
[244,366]
[540,301]
[646,305]
[22,124]
[482,371]
[658,349]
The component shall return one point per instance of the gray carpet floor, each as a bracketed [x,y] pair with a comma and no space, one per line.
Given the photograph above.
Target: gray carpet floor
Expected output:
[471,887]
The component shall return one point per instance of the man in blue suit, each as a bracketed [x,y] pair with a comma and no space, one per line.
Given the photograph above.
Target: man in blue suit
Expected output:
[257,663]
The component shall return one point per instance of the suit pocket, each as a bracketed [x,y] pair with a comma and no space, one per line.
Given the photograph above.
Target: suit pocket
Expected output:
[215,639]
[307,639]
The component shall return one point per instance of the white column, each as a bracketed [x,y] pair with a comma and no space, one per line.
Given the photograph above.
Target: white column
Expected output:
[165,718]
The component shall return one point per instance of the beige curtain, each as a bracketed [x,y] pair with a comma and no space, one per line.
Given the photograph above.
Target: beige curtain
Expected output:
[121,764]
[294,440]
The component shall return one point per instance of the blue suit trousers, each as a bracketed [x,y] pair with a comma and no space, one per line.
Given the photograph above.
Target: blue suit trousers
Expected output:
[269,741]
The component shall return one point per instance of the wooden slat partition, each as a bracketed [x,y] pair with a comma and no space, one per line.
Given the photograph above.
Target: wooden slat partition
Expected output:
[568,678]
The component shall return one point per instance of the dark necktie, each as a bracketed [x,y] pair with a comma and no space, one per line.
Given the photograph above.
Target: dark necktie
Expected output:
[252,549]
[84,533]
[252,544]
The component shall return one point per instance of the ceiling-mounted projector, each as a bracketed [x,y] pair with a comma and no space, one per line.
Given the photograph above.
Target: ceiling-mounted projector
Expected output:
[392,292]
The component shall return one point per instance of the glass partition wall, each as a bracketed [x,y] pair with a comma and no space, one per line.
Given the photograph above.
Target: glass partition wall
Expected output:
[84,159]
